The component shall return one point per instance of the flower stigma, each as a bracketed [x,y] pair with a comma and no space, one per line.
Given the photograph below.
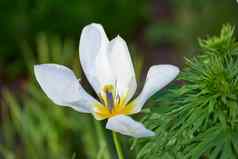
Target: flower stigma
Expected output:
[112,104]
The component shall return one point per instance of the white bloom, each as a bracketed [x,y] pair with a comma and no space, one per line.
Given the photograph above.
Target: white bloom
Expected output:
[108,67]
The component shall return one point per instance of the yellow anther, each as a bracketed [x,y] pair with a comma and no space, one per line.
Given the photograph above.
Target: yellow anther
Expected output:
[119,107]
[108,88]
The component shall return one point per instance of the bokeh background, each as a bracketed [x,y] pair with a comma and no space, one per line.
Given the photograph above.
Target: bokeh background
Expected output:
[43,31]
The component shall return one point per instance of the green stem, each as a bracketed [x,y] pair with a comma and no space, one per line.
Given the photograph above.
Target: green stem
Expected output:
[103,151]
[117,145]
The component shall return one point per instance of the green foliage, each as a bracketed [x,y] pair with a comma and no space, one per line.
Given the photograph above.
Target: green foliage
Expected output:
[188,19]
[24,20]
[199,119]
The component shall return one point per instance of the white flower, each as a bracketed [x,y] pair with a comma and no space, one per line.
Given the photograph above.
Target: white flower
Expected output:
[108,67]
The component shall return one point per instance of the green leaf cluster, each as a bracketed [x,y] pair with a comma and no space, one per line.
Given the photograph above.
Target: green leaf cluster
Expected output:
[200,118]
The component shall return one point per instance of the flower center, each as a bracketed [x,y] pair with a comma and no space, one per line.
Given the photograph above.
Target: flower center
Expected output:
[111,103]
[108,90]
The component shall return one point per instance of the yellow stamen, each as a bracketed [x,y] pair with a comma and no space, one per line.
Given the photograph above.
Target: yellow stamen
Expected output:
[103,111]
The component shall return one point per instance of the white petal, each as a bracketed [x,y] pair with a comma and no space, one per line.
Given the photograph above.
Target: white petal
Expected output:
[122,67]
[93,41]
[158,77]
[63,88]
[127,126]
[104,70]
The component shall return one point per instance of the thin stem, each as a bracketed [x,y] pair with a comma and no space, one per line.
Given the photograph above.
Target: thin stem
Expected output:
[117,145]
[103,151]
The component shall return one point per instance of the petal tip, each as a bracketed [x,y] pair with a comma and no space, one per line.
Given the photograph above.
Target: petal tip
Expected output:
[150,133]
[93,26]
[175,69]
[118,41]
[118,38]
[37,68]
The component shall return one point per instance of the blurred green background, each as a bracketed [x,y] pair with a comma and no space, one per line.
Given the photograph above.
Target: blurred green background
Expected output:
[41,31]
